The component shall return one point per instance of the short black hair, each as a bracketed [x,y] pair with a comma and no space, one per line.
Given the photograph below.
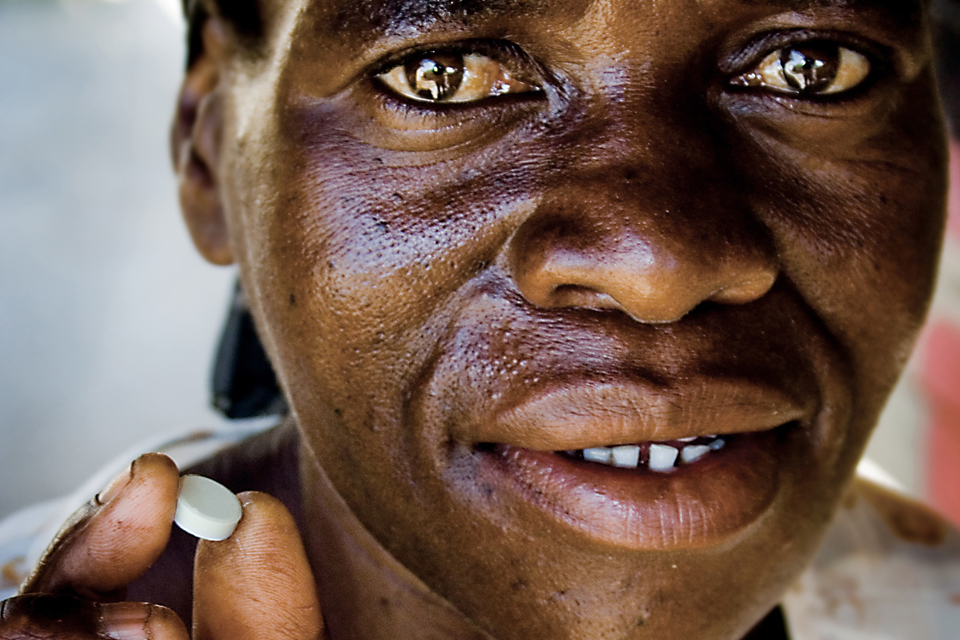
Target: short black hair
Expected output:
[242,15]
[946,34]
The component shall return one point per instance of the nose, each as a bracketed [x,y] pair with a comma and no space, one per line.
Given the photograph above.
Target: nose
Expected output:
[601,247]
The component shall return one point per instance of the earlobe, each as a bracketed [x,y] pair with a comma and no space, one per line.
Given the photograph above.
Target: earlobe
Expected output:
[195,145]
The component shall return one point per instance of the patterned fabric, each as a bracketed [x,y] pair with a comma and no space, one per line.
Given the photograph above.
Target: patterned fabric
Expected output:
[889,568]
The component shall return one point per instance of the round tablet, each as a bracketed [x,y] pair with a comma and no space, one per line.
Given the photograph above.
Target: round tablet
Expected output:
[206,508]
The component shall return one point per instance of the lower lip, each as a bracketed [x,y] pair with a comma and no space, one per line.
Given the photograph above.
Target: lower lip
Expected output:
[693,506]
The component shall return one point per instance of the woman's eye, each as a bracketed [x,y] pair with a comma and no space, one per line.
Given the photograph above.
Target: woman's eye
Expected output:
[810,69]
[452,77]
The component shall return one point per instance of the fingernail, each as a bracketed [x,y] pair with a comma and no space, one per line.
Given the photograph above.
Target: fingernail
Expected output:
[115,486]
[124,621]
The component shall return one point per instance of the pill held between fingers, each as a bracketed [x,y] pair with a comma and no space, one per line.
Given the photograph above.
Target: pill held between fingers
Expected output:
[206,508]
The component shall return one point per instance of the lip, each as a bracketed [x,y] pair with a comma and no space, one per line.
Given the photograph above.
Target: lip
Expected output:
[694,506]
[606,414]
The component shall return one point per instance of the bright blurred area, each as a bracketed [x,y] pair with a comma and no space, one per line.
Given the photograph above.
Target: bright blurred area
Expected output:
[108,317]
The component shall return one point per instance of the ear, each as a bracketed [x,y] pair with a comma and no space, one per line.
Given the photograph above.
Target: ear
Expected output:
[195,142]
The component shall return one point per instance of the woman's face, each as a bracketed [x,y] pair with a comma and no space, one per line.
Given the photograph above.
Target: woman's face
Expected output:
[483,237]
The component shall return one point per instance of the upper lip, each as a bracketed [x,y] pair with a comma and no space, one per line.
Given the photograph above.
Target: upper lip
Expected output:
[595,414]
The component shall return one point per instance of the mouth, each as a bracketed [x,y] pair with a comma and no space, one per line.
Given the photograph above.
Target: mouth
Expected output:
[633,468]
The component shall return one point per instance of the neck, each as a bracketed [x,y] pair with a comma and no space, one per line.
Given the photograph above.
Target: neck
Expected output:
[365,593]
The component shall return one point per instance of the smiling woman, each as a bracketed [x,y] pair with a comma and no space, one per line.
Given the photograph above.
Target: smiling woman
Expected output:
[584,312]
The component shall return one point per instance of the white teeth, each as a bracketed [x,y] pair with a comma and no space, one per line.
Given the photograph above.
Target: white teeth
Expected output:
[693,452]
[662,457]
[627,456]
[598,454]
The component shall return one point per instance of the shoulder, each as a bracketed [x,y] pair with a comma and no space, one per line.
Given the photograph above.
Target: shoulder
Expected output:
[889,567]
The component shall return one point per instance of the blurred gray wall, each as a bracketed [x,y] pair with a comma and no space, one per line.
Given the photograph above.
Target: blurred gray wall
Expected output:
[108,317]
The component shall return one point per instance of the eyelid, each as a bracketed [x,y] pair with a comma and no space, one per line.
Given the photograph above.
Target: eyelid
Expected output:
[502,51]
[757,49]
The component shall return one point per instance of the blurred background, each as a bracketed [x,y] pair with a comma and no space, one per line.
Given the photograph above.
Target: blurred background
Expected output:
[108,318]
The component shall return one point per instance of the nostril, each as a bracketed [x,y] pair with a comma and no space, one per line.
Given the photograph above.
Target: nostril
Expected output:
[573,295]
[746,290]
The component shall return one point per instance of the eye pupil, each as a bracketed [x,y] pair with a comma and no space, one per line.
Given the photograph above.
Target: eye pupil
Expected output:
[810,68]
[435,76]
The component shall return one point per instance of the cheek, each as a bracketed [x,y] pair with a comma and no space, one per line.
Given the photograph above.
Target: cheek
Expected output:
[360,267]
[858,235]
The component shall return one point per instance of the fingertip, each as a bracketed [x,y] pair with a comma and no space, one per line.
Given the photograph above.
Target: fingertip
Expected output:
[158,463]
[140,621]
[262,509]
[265,522]
[148,502]
[164,624]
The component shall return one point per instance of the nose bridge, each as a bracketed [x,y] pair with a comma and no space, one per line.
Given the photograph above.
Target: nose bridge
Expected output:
[653,240]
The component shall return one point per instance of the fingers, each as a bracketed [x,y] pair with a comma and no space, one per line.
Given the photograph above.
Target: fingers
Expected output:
[257,584]
[68,618]
[115,538]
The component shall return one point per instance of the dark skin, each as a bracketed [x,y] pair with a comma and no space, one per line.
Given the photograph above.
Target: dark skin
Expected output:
[629,229]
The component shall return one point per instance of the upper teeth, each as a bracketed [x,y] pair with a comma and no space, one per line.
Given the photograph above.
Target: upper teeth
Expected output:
[660,457]
[693,452]
[626,456]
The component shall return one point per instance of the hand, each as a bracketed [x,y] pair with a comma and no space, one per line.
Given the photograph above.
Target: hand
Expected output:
[256,584]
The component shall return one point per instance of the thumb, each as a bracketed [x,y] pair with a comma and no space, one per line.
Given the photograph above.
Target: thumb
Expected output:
[257,584]
[115,538]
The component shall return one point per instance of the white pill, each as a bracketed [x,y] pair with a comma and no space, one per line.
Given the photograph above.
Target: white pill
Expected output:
[206,508]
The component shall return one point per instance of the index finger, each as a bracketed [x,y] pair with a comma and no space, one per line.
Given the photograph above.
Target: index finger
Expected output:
[257,584]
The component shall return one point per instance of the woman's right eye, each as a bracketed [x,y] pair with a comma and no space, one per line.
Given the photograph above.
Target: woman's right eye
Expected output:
[814,68]
[445,76]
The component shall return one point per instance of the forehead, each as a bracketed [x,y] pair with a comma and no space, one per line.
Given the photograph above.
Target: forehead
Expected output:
[333,42]
[396,17]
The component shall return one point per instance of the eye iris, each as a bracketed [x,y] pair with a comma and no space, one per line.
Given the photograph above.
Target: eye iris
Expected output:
[812,67]
[435,76]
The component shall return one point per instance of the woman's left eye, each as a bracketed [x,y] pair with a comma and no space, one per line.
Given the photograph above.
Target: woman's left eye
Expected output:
[815,68]
[445,77]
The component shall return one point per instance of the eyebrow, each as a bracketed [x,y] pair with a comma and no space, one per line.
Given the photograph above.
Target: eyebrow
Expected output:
[909,11]
[397,16]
